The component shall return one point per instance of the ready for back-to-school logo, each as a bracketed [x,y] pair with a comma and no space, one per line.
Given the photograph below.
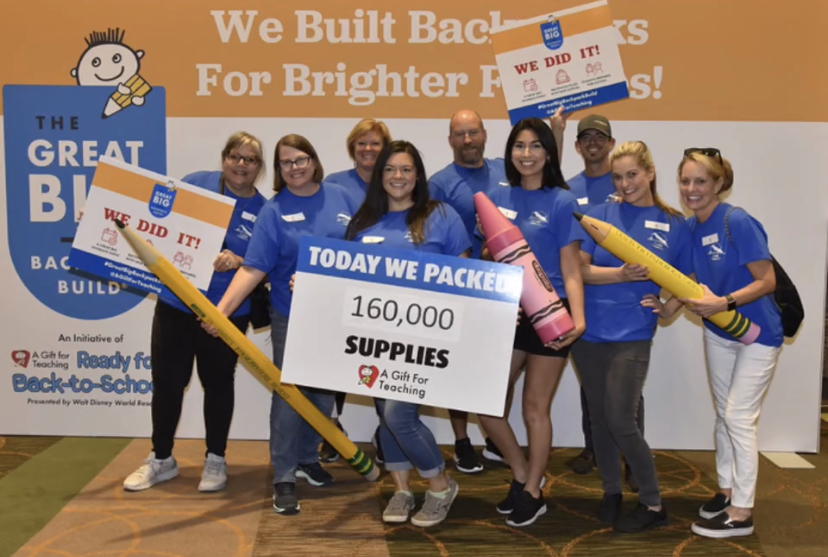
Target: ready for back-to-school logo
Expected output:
[54,134]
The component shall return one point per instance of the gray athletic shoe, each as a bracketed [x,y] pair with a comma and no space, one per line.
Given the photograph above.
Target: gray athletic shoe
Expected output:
[398,508]
[435,509]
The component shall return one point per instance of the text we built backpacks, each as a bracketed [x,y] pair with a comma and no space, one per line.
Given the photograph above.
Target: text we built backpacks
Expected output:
[786,295]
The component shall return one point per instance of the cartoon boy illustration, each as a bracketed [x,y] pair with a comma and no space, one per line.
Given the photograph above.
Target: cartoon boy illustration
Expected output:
[107,61]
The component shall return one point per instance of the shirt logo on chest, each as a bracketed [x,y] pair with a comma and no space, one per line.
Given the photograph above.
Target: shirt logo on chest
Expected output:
[343,218]
[243,232]
[658,241]
[539,218]
[716,252]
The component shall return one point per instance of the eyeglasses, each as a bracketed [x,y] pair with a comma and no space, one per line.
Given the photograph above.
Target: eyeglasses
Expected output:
[236,158]
[711,152]
[299,162]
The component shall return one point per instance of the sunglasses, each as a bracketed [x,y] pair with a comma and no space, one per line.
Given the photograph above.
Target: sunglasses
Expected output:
[706,151]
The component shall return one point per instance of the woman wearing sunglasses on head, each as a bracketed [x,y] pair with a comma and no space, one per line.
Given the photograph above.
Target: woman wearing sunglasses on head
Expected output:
[302,206]
[397,212]
[732,262]
[177,338]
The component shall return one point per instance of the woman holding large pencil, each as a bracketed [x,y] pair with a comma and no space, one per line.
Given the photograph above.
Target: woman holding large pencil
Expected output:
[733,264]
[177,338]
[303,205]
[539,203]
[613,355]
[397,212]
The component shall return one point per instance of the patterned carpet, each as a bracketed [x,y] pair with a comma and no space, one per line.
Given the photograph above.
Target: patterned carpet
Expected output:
[343,519]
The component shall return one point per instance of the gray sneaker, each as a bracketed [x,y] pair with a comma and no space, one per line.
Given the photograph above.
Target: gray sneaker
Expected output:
[398,508]
[435,510]
[153,471]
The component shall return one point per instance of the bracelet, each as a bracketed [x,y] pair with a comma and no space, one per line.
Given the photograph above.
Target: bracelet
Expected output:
[731,302]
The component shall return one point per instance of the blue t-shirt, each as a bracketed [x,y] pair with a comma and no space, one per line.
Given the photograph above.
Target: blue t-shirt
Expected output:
[544,216]
[351,181]
[237,239]
[614,312]
[591,192]
[444,232]
[722,266]
[456,185]
[283,221]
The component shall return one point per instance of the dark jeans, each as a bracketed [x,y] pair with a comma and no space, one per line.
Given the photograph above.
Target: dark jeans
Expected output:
[177,340]
[612,376]
[585,427]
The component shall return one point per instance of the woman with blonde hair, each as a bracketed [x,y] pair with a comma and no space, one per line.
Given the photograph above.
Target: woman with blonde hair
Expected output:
[366,140]
[613,355]
[178,339]
[732,262]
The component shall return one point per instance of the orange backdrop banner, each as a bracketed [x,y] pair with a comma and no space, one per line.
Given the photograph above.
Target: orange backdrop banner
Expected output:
[691,60]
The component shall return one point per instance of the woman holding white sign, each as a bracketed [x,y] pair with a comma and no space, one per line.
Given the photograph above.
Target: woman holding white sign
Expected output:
[397,212]
[303,205]
[177,338]
[537,200]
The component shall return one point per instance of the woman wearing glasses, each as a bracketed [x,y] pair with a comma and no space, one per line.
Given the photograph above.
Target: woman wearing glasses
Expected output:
[613,355]
[732,263]
[177,338]
[302,206]
[538,201]
[397,212]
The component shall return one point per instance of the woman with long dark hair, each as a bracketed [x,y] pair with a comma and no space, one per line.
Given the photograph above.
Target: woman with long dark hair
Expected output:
[398,212]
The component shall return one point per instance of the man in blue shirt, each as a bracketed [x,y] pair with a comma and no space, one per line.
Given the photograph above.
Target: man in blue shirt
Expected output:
[469,173]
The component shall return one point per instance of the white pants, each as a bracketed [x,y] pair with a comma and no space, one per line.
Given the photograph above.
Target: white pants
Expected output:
[739,377]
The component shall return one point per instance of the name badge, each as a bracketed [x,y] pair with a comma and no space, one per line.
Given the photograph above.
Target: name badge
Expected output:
[508,213]
[663,226]
[248,216]
[712,239]
[583,201]
[297,217]
[372,239]
[504,184]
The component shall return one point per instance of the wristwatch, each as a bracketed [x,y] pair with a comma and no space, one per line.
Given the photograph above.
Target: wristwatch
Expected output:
[731,302]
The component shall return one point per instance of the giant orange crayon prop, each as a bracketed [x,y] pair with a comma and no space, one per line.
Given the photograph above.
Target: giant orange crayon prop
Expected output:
[541,304]
[247,351]
[665,275]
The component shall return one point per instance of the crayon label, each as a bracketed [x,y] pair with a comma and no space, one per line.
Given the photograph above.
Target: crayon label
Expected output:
[542,276]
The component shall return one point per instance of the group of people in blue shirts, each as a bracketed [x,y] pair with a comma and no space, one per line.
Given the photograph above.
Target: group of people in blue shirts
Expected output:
[388,197]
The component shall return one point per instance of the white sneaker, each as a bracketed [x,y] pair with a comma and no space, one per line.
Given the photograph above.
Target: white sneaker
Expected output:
[214,476]
[152,472]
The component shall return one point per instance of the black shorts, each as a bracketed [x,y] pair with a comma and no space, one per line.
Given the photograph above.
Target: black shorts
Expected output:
[527,340]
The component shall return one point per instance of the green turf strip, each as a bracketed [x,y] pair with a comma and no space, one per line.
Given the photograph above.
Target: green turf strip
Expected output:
[34,492]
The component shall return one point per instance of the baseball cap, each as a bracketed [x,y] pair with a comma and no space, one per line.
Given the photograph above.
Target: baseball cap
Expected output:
[595,122]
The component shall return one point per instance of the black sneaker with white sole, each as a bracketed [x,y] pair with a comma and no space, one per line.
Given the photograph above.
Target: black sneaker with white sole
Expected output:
[465,458]
[508,504]
[723,526]
[314,474]
[284,499]
[527,510]
[715,506]
[491,452]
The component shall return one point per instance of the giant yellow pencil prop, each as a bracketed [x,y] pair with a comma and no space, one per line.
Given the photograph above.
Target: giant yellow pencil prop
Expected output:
[665,275]
[247,351]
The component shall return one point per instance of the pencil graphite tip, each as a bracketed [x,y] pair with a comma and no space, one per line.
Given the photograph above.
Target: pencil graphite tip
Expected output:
[578,216]
[119,224]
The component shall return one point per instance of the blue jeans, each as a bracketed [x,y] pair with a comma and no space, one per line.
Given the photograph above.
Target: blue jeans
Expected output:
[406,441]
[292,440]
